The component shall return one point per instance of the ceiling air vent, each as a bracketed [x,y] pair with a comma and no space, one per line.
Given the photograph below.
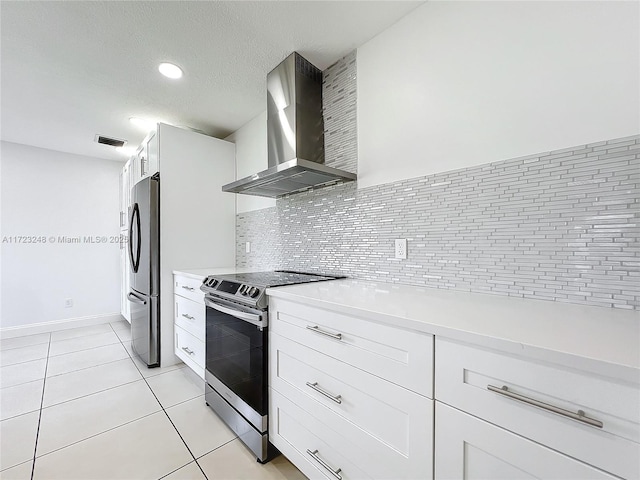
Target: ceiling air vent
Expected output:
[113,142]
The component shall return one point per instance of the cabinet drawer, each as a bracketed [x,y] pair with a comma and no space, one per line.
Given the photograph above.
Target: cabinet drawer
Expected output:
[296,434]
[401,356]
[464,374]
[189,288]
[469,448]
[188,346]
[392,425]
[190,316]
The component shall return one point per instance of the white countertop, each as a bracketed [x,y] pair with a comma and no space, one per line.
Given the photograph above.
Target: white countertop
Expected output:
[603,340]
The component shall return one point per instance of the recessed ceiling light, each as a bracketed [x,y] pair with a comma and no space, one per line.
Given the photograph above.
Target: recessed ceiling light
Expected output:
[170,70]
[143,124]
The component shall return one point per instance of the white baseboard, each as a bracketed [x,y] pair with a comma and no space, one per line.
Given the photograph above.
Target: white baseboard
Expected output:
[55,325]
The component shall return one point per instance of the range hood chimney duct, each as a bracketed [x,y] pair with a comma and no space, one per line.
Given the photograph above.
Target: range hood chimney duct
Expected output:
[295,134]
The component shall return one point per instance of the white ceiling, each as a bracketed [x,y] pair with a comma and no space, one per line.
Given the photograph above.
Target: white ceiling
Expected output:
[70,70]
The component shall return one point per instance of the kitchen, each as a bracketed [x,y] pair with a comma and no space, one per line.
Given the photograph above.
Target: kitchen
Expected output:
[511,115]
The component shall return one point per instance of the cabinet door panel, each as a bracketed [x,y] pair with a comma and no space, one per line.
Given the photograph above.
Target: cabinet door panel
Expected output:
[392,426]
[296,435]
[189,347]
[400,356]
[152,154]
[188,287]
[464,373]
[190,315]
[471,449]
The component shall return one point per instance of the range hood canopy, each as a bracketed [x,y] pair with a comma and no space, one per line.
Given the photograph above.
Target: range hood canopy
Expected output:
[295,134]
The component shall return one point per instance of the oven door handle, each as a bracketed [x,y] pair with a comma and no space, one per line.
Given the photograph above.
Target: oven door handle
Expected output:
[247,317]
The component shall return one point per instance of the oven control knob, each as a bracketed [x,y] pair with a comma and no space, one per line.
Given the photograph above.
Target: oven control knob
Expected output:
[243,289]
[254,292]
[213,282]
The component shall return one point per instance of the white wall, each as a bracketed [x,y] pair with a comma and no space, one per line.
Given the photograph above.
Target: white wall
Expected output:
[251,157]
[48,193]
[455,84]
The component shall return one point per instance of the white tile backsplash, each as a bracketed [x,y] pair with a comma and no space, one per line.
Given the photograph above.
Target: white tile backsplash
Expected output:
[561,225]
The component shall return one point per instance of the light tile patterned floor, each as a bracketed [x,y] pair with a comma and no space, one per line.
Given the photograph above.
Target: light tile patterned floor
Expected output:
[76,404]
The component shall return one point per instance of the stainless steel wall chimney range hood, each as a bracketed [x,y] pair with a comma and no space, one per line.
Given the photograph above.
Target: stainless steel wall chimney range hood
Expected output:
[295,134]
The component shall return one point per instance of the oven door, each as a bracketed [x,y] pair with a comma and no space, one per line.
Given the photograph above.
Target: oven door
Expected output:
[236,357]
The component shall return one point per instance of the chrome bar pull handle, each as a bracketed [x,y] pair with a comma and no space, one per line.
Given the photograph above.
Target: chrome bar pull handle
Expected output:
[335,473]
[335,398]
[188,317]
[191,289]
[578,416]
[317,329]
[189,351]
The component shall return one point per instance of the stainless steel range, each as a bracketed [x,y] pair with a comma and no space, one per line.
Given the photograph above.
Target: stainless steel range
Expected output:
[236,351]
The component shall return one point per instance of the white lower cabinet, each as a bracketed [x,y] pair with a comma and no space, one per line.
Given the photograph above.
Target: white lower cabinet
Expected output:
[189,322]
[357,398]
[332,418]
[593,419]
[318,451]
[471,449]
[190,349]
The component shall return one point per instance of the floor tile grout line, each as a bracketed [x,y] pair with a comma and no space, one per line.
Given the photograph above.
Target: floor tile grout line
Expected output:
[210,451]
[162,408]
[21,346]
[20,414]
[167,415]
[183,441]
[54,341]
[174,471]
[23,383]
[217,448]
[98,434]
[44,383]
[85,349]
[183,401]
[26,361]
[4,469]
[79,336]
[92,393]
[83,396]
[86,368]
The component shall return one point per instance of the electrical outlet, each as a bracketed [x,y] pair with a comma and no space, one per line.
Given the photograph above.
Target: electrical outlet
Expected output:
[68,303]
[248,247]
[401,248]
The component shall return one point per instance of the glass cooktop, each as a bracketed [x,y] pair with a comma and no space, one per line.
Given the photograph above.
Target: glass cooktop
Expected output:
[275,278]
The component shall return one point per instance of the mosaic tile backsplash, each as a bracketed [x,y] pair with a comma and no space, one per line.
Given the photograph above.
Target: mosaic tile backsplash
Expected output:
[561,225]
[339,89]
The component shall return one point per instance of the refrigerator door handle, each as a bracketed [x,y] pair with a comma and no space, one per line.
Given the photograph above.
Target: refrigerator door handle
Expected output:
[136,299]
[135,215]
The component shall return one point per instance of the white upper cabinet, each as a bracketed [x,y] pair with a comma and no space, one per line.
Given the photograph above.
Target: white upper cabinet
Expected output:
[152,161]
[146,160]
[125,195]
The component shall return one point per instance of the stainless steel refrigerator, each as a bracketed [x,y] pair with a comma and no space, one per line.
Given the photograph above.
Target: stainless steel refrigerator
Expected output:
[144,273]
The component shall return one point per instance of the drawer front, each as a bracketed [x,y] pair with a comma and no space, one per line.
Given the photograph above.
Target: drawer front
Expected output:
[188,346]
[464,374]
[401,356]
[188,287]
[190,316]
[391,425]
[296,434]
[469,448]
